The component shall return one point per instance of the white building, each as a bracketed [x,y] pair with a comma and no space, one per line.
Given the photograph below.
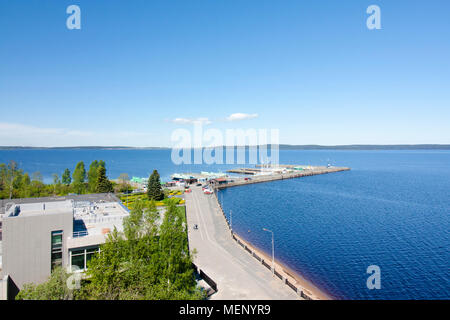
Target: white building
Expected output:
[40,234]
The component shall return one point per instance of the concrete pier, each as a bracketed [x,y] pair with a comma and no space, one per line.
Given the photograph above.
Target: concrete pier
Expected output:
[271,176]
[238,271]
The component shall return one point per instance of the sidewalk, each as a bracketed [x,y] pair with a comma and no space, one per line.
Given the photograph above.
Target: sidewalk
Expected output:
[238,275]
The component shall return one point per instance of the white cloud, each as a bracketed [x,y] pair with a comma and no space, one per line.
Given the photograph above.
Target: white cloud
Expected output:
[15,134]
[191,121]
[241,116]
[20,129]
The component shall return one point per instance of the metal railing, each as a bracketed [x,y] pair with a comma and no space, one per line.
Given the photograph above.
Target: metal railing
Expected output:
[101,219]
[79,234]
[299,290]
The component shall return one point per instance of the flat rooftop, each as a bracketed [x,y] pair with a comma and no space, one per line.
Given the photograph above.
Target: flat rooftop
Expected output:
[39,208]
[96,197]
[94,214]
[93,218]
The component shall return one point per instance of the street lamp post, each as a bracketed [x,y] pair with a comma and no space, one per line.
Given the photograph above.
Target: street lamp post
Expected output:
[231,220]
[273,253]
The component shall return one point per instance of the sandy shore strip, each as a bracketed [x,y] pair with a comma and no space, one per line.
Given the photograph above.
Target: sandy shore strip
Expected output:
[293,277]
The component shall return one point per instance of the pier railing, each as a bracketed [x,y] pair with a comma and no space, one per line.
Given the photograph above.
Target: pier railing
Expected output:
[299,290]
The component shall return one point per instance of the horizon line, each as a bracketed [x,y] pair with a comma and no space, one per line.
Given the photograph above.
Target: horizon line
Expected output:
[281,145]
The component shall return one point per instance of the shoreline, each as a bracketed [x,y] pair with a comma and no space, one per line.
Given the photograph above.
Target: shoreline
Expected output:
[294,277]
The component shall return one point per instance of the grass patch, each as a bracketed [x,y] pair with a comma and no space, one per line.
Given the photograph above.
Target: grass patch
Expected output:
[131,199]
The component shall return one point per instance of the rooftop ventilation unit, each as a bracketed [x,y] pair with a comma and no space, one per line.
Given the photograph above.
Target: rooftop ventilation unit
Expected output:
[16,211]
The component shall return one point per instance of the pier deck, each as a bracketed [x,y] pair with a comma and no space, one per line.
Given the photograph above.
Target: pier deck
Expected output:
[258,178]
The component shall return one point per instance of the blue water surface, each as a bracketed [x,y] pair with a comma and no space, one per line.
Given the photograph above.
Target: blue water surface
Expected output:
[391,210]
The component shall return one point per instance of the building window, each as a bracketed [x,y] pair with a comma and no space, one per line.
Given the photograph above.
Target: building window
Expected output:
[79,258]
[56,245]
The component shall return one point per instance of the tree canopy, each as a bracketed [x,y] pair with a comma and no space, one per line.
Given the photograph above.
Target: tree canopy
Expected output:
[103,185]
[55,288]
[66,179]
[79,176]
[15,183]
[154,189]
[92,174]
[147,261]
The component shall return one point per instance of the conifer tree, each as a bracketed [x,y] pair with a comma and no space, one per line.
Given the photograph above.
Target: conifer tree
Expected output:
[66,179]
[103,184]
[92,176]
[79,176]
[154,190]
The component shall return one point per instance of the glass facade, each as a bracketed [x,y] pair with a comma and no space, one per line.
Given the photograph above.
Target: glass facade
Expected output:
[79,258]
[56,245]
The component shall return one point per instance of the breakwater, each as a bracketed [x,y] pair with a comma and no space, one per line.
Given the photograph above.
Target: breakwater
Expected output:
[273,176]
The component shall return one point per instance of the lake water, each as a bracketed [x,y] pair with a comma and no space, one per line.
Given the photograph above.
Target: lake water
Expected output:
[391,210]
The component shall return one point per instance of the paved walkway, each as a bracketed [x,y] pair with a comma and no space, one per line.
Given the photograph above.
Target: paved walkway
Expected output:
[238,275]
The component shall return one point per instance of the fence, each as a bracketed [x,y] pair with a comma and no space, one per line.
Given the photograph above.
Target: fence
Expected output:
[290,285]
[256,257]
[278,275]
[207,279]
[102,219]
[298,290]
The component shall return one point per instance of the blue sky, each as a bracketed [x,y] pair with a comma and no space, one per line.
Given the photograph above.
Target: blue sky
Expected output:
[311,69]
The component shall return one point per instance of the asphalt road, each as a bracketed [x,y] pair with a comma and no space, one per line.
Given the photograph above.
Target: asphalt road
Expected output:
[238,275]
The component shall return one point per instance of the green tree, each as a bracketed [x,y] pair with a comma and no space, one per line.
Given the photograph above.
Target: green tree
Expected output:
[55,288]
[56,179]
[25,186]
[3,172]
[174,245]
[103,184]
[11,181]
[154,189]
[140,264]
[79,176]
[56,184]
[124,183]
[145,261]
[11,174]
[66,179]
[37,176]
[92,174]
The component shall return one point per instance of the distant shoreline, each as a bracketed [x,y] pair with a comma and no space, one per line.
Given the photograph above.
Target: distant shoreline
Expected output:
[281,147]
